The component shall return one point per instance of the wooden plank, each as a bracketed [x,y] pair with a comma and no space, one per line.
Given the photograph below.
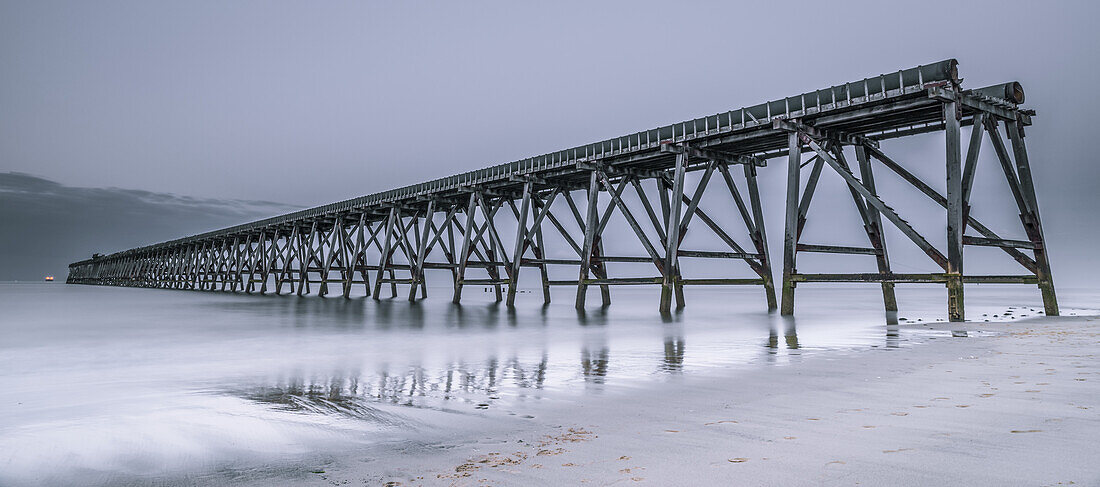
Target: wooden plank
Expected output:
[870,277]
[708,254]
[836,249]
[994,242]
[624,281]
[722,282]
[1001,279]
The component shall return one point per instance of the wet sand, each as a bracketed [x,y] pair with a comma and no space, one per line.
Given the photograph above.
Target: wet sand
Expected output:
[1009,404]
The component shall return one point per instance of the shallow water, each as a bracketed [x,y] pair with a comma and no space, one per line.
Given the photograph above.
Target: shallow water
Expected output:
[108,384]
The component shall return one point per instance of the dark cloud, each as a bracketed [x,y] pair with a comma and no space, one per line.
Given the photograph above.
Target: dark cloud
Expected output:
[45,225]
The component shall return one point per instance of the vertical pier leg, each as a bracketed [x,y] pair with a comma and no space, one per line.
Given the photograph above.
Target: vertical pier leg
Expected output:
[231,266]
[1032,223]
[790,239]
[874,229]
[464,256]
[759,235]
[541,255]
[271,259]
[521,243]
[384,260]
[449,251]
[599,267]
[955,209]
[591,221]
[672,231]
[305,260]
[326,266]
[364,247]
[494,271]
[422,254]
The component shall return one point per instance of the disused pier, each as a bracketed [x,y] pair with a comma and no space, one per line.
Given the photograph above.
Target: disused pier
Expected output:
[460,223]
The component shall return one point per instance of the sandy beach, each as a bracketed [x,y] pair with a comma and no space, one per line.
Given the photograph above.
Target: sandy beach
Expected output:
[1008,404]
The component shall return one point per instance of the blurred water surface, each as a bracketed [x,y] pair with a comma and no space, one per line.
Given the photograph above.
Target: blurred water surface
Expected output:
[103,383]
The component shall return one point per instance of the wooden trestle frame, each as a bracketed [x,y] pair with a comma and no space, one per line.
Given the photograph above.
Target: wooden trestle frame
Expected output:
[390,239]
[461,234]
[827,149]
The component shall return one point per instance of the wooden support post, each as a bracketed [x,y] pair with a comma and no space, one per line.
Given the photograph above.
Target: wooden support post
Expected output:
[354,261]
[759,236]
[384,260]
[541,255]
[326,266]
[493,247]
[305,258]
[590,224]
[808,194]
[692,206]
[521,243]
[1032,223]
[422,253]
[790,235]
[977,129]
[599,268]
[672,230]
[270,260]
[231,265]
[450,252]
[874,230]
[422,247]
[955,209]
[464,255]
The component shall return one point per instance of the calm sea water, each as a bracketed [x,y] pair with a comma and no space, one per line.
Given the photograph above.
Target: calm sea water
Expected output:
[106,384]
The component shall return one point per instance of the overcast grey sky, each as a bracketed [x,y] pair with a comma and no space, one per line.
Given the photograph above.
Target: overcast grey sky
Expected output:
[310,102]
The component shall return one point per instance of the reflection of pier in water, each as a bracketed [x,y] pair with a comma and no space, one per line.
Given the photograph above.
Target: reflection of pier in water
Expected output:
[509,375]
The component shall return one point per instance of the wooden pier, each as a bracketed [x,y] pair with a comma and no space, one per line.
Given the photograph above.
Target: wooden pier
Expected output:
[388,240]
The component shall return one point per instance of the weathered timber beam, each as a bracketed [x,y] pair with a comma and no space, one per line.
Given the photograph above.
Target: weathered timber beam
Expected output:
[976,103]
[997,242]
[934,278]
[1000,279]
[722,282]
[869,277]
[485,282]
[712,154]
[829,134]
[706,254]
[836,249]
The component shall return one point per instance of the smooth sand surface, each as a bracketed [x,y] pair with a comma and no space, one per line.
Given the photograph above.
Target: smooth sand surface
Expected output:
[1009,404]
